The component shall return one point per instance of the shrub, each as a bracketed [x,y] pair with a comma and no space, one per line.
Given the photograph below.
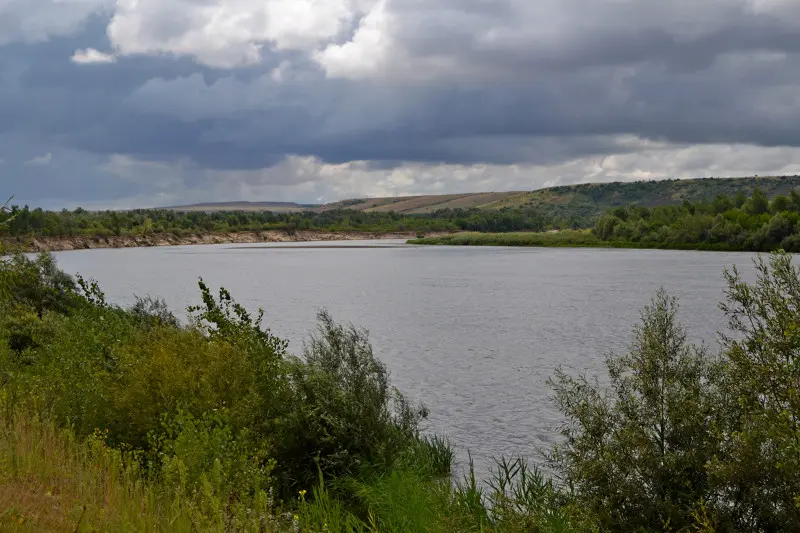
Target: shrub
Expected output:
[345,415]
[35,283]
[636,454]
[757,475]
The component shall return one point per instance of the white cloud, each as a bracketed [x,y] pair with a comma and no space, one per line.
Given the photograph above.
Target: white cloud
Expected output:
[40,161]
[90,56]
[306,179]
[366,52]
[228,33]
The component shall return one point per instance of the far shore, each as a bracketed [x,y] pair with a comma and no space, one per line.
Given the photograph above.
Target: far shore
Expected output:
[584,238]
[59,244]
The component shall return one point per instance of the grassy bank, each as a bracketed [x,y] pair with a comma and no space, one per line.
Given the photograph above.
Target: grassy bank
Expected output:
[566,238]
[563,239]
[124,419]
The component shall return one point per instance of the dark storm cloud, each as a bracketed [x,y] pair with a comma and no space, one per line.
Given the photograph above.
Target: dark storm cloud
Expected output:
[460,81]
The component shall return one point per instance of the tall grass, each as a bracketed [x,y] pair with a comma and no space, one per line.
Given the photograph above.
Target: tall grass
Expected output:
[49,481]
[566,238]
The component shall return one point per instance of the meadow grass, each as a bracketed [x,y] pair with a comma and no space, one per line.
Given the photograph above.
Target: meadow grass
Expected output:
[566,238]
[49,481]
[562,239]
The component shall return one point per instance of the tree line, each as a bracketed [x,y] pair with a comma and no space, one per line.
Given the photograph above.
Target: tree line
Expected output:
[746,223]
[24,221]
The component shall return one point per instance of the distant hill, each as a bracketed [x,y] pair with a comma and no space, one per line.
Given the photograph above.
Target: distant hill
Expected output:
[583,200]
[415,205]
[593,199]
[277,207]
[578,201]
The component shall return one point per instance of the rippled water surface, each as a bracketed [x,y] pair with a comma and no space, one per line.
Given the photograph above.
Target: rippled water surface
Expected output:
[472,332]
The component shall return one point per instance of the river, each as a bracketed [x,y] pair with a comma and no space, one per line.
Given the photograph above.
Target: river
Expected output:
[472,332]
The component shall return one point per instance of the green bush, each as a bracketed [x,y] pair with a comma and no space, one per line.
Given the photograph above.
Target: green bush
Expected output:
[636,454]
[346,417]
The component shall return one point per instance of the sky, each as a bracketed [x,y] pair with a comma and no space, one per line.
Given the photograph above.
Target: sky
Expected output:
[141,103]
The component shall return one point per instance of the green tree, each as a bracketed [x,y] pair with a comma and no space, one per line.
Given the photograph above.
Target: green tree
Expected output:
[758,203]
[147,226]
[604,228]
[721,204]
[757,475]
[780,204]
[635,455]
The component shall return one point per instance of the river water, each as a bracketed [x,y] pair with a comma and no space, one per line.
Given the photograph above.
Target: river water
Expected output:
[473,332]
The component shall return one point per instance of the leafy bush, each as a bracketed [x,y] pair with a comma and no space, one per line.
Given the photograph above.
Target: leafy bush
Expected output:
[36,283]
[345,416]
[636,454]
[757,473]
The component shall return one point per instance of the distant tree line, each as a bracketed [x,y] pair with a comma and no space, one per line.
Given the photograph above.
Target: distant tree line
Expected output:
[753,223]
[23,221]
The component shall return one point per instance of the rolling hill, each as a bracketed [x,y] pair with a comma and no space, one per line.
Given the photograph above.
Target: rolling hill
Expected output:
[210,207]
[580,201]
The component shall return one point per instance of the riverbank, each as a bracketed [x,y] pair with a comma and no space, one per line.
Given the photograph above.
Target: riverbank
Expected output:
[568,238]
[59,244]
[565,239]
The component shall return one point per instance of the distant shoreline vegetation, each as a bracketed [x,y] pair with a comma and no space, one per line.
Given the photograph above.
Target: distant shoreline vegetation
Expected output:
[741,223]
[706,214]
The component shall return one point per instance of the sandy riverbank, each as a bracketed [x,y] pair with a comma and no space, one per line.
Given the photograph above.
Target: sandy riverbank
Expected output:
[57,244]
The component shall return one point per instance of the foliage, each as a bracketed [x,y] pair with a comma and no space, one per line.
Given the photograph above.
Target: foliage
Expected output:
[758,473]
[752,224]
[636,455]
[722,224]
[346,416]
[561,238]
[35,283]
[24,222]
[684,441]
[126,420]
[565,207]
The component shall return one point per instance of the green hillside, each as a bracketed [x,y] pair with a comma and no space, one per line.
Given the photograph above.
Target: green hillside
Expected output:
[581,201]
[569,202]
[593,199]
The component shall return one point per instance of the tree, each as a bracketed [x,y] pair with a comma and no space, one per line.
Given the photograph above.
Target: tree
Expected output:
[721,204]
[780,204]
[604,228]
[147,226]
[758,203]
[757,475]
[635,455]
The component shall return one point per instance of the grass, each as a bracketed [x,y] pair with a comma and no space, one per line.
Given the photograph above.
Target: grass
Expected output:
[51,482]
[560,239]
[567,238]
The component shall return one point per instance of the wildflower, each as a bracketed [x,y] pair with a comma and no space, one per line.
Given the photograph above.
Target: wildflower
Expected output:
[303,493]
